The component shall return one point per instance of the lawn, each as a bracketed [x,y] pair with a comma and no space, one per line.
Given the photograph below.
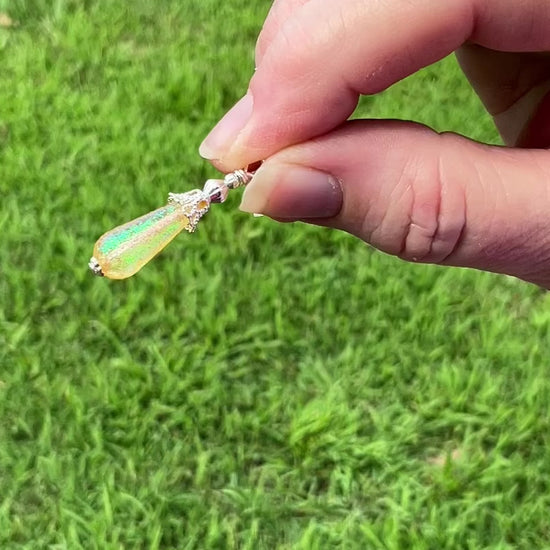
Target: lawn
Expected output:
[257,386]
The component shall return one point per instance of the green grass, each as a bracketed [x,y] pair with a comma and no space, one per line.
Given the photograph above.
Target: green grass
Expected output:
[258,385]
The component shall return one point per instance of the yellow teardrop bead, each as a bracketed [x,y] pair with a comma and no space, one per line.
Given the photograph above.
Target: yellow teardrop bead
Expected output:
[124,250]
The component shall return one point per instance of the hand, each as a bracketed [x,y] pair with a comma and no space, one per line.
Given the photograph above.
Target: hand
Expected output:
[400,186]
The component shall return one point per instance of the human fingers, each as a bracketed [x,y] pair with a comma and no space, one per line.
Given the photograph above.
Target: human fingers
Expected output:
[328,53]
[513,87]
[279,12]
[419,195]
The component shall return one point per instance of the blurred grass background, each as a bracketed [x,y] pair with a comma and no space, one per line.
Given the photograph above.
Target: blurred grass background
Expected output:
[257,385]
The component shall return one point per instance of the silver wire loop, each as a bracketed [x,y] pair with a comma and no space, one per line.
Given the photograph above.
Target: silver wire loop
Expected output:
[238,178]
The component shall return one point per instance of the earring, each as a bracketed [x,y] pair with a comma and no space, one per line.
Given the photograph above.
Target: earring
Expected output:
[123,251]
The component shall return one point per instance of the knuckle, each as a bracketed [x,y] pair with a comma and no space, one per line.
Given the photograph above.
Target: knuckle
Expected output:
[424,212]
[437,216]
[424,216]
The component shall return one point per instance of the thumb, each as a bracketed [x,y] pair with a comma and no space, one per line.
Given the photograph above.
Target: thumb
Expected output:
[422,196]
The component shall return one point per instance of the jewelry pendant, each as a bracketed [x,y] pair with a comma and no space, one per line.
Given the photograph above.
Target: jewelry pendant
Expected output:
[123,251]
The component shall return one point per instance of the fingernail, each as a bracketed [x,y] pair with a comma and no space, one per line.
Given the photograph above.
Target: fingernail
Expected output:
[292,192]
[220,139]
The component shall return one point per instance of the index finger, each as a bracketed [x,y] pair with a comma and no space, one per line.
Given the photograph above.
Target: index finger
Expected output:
[280,11]
[328,53]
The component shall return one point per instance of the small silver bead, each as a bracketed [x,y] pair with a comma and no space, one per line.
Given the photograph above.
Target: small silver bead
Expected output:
[94,266]
[216,190]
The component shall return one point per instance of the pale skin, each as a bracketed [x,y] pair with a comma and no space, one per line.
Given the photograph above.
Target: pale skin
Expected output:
[426,197]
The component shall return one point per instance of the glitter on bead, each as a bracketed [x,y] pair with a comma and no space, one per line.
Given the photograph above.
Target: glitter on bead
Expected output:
[126,249]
